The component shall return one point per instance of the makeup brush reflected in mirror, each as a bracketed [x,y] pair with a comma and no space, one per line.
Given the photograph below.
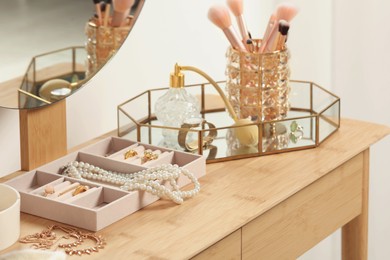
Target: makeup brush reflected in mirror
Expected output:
[121,11]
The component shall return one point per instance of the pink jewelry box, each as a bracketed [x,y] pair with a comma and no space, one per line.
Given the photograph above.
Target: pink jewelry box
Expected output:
[105,203]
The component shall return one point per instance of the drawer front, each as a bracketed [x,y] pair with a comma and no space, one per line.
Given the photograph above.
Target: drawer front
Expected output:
[300,222]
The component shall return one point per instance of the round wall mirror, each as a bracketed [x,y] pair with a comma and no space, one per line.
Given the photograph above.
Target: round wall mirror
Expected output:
[51,48]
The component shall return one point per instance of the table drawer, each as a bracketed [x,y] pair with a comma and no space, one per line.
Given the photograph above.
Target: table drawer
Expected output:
[298,223]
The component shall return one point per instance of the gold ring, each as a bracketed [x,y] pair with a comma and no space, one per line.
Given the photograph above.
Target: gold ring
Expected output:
[149,156]
[130,153]
[80,189]
[204,142]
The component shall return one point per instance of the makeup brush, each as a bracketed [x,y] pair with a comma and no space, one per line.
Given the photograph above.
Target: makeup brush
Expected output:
[237,8]
[102,9]
[107,13]
[284,26]
[219,15]
[121,11]
[284,11]
[98,11]
[276,43]
[249,44]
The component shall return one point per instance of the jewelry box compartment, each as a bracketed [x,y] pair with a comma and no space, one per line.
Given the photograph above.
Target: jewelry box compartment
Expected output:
[114,148]
[93,209]
[104,203]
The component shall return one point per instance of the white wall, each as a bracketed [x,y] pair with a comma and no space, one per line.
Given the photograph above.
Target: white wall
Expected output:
[360,77]
[325,48]
[360,66]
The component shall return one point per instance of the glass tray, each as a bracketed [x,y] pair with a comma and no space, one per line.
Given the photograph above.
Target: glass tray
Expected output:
[313,117]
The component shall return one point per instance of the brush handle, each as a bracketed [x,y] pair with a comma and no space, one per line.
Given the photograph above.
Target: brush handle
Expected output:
[99,14]
[231,35]
[242,27]
[275,43]
[121,11]
[280,42]
[270,45]
[243,30]
[266,36]
[118,18]
[107,14]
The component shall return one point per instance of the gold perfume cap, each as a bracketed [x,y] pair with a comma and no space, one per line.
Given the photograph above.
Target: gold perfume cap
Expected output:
[177,78]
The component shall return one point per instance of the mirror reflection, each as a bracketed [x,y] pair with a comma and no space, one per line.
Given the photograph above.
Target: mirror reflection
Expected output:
[50,48]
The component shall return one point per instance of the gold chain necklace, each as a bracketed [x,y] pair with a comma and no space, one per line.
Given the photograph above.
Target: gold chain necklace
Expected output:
[47,238]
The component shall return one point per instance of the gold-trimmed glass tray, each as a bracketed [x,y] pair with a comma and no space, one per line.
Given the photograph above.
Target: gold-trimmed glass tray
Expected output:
[314,115]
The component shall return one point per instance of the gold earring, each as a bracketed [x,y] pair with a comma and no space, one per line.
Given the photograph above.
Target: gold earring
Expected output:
[149,156]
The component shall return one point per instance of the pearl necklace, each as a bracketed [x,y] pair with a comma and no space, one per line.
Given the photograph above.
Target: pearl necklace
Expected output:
[149,180]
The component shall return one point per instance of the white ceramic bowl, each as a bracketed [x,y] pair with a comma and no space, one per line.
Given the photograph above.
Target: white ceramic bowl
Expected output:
[9,216]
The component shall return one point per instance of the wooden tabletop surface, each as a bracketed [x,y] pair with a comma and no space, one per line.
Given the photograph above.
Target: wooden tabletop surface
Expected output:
[232,194]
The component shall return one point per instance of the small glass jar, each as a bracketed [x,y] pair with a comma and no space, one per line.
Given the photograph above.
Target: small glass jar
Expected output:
[257,84]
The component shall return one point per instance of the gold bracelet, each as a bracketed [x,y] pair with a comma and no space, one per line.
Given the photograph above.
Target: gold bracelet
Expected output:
[194,145]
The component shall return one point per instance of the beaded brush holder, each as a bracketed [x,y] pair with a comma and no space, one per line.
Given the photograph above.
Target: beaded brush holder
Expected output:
[257,84]
[103,41]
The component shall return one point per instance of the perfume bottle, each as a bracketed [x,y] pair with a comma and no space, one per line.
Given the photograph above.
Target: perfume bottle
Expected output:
[176,107]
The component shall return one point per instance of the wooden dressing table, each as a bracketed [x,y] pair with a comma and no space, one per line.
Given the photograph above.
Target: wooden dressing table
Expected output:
[270,207]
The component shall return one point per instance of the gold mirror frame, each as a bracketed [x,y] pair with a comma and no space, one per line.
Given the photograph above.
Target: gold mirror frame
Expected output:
[16,90]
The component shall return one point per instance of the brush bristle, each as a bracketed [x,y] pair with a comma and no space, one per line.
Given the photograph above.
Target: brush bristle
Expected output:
[219,15]
[102,6]
[236,6]
[286,11]
[284,26]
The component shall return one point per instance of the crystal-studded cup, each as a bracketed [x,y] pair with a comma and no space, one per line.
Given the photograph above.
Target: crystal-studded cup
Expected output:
[257,84]
[102,42]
